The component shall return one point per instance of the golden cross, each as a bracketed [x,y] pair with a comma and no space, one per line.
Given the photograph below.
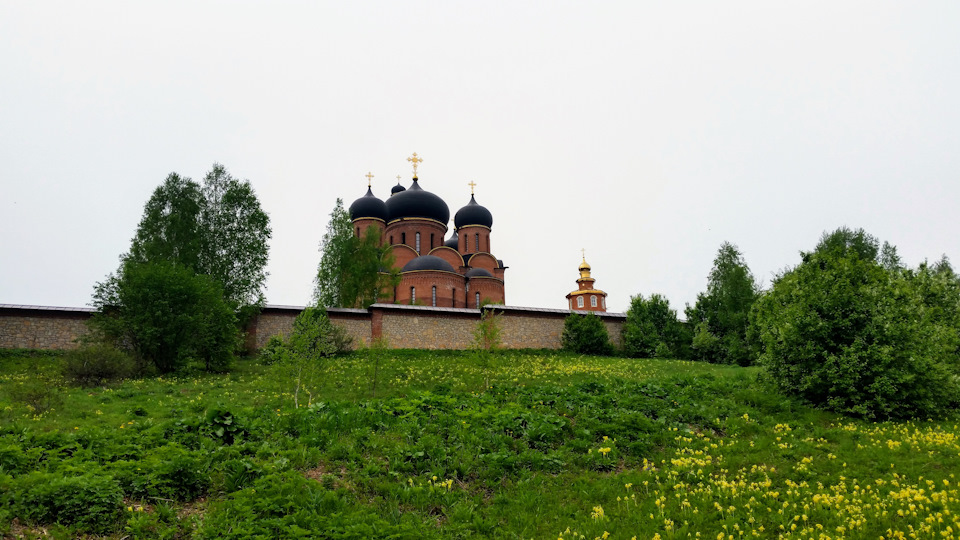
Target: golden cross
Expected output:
[416,161]
[369,178]
[584,253]
[398,178]
[472,185]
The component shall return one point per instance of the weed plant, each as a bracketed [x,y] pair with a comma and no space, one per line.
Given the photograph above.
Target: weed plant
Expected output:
[560,445]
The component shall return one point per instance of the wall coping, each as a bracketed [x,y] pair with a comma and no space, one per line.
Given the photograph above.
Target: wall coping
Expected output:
[389,307]
[24,307]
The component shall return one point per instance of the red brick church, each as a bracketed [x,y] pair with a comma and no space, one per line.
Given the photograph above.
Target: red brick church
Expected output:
[458,270]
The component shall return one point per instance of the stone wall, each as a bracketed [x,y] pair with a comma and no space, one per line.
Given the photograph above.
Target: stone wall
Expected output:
[41,327]
[403,326]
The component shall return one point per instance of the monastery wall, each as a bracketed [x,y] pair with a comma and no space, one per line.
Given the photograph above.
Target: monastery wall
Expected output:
[403,326]
[41,327]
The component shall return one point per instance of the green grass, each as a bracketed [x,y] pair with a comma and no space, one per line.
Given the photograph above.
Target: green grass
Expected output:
[558,445]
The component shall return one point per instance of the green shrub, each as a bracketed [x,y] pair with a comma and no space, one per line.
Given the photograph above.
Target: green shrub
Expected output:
[93,365]
[651,329]
[167,315]
[585,334]
[843,332]
[40,394]
[91,502]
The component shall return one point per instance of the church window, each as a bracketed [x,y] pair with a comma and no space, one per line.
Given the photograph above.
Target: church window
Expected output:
[358,231]
[431,241]
[593,301]
[453,298]
[604,301]
[476,243]
[403,238]
[579,301]
[478,300]
[434,296]
[391,239]
[413,295]
[418,242]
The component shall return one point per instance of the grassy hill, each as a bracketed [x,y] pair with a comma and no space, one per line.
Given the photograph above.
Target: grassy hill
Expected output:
[532,445]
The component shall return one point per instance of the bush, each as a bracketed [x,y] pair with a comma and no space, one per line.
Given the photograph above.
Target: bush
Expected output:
[90,502]
[585,334]
[651,329]
[167,315]
[844,333]
[38,393]
[93,365]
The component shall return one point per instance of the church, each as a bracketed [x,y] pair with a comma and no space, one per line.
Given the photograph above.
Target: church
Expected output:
[437,270]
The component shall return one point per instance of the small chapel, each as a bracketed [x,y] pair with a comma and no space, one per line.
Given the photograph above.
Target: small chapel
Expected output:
[587,297]
[437,270]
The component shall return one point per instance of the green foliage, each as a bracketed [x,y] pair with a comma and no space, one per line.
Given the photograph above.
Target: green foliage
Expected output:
[90,502]
[725,308]
[843,332]
[217,230]
[166,315]
[353,272]
[313,338]
[39,393]
[96,364]
[585,334]
[486,341]
[652,329]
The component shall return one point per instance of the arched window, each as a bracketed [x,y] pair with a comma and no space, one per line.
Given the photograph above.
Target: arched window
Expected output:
[418,242]
[358,232]
[579,301]
[413,295]
[391,239]
[403,238]
[604,302]
[434,296]
[476,243]
[478,300]
[593,301]
[431,241]
[453,298]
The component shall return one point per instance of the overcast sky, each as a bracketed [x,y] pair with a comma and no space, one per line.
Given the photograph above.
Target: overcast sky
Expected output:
[646,132]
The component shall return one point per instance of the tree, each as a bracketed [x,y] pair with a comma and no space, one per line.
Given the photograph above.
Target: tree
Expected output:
[235,232]
[353,272]
[651,326]
[585,334]
[725,309]
[842,331]
[217,230]
[300,356]
[166,315]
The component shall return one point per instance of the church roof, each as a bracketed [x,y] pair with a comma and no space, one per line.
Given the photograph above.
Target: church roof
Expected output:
[428,262]
[368,206]
[473,214]
[417,202]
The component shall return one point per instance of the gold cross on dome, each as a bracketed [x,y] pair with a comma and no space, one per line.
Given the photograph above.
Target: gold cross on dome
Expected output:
[369,178]
[472,185]
[416,161]
[398,178]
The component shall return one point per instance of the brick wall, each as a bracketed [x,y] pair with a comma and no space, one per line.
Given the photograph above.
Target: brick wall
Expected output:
[403,326]
[40,327]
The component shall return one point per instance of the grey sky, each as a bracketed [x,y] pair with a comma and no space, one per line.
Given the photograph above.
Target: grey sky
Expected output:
[647,134]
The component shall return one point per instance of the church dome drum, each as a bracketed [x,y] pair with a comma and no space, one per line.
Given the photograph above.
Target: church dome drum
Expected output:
[428,262]
[417,202]
[473,214]
[368,206]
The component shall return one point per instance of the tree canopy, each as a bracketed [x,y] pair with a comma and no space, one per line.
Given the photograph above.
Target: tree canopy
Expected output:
[652,329]
[353,272]
[721,314]
[851,334]
[217,229]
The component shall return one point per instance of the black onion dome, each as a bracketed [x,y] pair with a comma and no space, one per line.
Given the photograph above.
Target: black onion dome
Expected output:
[453,241]
[368,206]
[473,214]
[478,272]
[417,202]
[427,262]
[397,189]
